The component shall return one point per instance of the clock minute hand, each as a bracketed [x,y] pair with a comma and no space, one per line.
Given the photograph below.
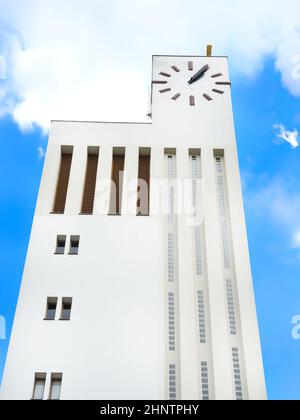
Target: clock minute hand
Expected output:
[199,74]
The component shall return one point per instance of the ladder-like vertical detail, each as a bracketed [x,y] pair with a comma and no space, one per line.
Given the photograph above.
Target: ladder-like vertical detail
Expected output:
[204,381]
[230,285]
[237,374]
[172,382]
[173,356]
[206,389]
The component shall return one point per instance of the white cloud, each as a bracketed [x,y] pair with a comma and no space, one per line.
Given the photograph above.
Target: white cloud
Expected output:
[287,136]
[296,239]
[278,203]
[41,153]
[92,59]
[288,63]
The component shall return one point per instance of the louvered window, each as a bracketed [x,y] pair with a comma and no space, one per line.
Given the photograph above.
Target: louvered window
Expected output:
[225,239]
[143,203]
[201,315]
[171,258]
[171,189]
[237,374]
[204,381]
[172,325]
[199,270]
[231,309]
[219,165]
[221,195]
[90,181]
[63,182]
[117,176]
[172,381]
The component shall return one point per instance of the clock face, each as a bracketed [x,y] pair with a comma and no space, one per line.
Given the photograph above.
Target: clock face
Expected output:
[191,83]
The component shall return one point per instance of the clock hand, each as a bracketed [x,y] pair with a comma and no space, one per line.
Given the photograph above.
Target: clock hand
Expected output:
[199,74]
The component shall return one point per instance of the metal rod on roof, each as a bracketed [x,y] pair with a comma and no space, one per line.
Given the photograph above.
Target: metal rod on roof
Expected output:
[209,50]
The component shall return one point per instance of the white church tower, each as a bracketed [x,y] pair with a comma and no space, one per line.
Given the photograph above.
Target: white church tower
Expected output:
[141,288]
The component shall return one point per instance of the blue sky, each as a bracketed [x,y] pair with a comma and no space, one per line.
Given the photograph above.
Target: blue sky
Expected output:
[48,78]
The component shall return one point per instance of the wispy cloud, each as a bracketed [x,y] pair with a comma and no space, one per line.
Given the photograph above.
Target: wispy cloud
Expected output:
[296,239]
[106,75]
[287,136]
[41,153]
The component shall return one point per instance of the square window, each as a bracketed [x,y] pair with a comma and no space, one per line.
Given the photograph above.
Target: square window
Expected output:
[74,245]
[51,309]
[66,309]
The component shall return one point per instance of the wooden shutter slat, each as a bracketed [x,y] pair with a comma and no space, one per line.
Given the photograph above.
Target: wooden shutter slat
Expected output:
[90,184]
[117,185]
[62,183]
[144,177]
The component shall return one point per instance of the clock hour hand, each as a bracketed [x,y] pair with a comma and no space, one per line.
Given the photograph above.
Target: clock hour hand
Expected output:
[199,74]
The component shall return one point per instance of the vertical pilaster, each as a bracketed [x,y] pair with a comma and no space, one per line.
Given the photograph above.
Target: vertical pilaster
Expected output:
[103,183]
[249,326]
[156,176]
[76,181]
[129,206]
[187,309]
[219,331]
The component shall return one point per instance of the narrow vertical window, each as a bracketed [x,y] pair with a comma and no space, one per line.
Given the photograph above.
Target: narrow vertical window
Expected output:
[90,181]
[66,309]
[231,308]
[39,386]
[60,244]
[171,258]
[51,309]
[172,382]
[172,327]
[74,245]
[143,203]
[237,374]
[63,180]
[201,315]
[117,176]
[204,381]
[55,386]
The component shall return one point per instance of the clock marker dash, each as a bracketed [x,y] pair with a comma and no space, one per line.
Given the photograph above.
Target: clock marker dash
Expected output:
[207,97]
[223,83]
[162,73]
[221,92]
[175,97]
[192,100]
[165,90]
[216,75]
[175,68]
[191,66]
[159,82]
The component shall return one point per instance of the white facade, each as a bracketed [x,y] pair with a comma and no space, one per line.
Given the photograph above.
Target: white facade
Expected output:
[135,276]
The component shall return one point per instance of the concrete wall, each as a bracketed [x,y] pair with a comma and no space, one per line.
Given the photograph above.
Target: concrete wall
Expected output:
[115,346]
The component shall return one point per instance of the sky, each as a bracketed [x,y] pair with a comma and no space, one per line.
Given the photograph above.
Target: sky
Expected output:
[71,59]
